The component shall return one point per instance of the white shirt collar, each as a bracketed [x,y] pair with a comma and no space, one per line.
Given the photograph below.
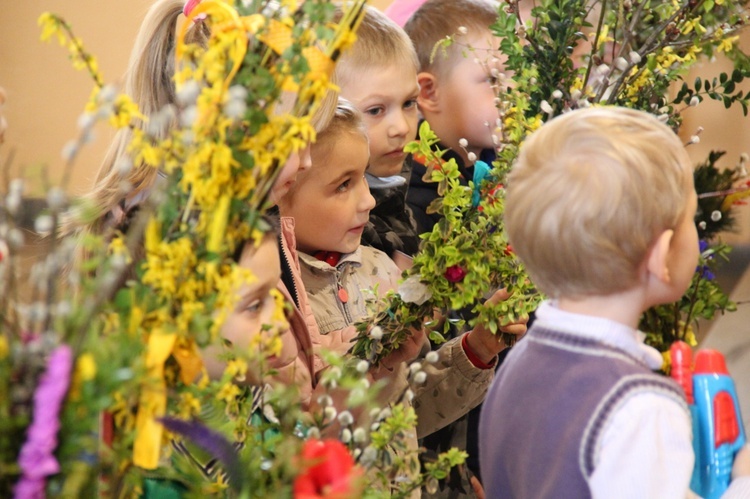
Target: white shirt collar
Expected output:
[612,333]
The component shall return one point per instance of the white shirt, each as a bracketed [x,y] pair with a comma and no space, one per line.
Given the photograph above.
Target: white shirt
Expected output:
[646,449]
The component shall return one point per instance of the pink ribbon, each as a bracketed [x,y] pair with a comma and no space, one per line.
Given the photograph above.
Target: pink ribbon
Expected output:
[188,8]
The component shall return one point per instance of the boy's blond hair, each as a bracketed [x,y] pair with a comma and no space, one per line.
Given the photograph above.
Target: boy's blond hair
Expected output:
[436,19]
[589,194]
[380,43]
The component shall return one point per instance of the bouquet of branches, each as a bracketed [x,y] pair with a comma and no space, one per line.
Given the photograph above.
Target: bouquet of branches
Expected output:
[567,54]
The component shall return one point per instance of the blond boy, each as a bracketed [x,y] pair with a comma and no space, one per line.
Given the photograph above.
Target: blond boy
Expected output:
[378,75]
[600,208]
[457,88]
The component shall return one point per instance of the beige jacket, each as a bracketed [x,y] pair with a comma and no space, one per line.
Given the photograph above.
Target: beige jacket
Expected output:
[453,385]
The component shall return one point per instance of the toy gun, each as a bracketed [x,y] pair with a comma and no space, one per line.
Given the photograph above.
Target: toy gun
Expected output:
[717,426]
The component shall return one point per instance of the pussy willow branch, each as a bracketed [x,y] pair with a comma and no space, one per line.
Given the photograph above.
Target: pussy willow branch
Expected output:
[643,52]
[628,32]
[594,46]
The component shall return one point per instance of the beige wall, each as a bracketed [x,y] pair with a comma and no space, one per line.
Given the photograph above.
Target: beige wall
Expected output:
[46,95]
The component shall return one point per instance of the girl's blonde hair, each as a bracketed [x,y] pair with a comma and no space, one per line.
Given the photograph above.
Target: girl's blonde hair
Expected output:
[345,119]
[149,82]
[590,192]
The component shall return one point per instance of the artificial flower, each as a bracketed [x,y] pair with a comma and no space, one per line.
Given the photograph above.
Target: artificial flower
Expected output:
[455,273]
[37,459]
[329,471]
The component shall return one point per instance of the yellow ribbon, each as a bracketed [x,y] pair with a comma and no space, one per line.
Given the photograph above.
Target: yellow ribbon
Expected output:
[218,228]
[187,356]
[152,403]
[733,198]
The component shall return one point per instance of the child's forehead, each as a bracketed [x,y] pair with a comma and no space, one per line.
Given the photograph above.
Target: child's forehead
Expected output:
[262,259]
[366,72]
[381,79]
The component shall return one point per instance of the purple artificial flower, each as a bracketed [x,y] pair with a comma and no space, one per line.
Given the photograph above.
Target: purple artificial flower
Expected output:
[37,459]
[706,272]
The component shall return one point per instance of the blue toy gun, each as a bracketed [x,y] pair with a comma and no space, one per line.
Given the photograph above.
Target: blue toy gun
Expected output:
[717,426]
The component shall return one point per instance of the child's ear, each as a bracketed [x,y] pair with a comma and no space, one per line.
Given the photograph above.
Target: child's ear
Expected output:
[659,256]
[428,92]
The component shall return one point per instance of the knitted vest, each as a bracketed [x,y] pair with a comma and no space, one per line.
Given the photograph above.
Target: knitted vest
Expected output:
[546,410]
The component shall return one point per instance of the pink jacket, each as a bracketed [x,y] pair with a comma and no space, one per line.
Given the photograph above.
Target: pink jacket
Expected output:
[298,363]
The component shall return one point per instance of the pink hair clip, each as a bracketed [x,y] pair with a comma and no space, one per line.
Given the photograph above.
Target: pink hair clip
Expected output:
[188,8]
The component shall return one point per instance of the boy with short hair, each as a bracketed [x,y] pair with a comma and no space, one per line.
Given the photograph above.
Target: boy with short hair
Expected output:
[378,75]
[457,89]
[457,99]
[612,234]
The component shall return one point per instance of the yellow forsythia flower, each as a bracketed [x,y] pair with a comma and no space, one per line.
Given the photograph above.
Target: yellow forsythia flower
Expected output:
[50,26]
[228,393]
[86,367]
[727,43]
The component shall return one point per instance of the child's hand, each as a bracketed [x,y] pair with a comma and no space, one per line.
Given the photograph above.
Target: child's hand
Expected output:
[741,465]
[487,345]
[408,351]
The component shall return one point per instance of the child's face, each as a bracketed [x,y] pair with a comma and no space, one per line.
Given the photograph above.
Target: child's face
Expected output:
[684,251]
[331,202]
[298,162]
[255,305]
[387,98]
[466,93]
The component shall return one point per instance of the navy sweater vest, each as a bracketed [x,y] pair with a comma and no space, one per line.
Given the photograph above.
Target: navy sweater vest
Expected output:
[546,409]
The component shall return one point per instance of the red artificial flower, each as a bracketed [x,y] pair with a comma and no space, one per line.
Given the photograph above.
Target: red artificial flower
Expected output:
[508,250]
[328,471]
[455,273]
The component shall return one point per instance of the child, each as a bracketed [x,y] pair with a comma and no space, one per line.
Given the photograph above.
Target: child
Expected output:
[457,98]
[116,196]
[255,310]
[378,75]
[600,209]
[330,204]
[456,89]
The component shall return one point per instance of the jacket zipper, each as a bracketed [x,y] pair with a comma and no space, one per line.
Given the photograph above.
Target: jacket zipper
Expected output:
[287,270]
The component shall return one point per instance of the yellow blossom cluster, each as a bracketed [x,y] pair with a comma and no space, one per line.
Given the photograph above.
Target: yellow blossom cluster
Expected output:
[665,60]
[219,169]
[53,25]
